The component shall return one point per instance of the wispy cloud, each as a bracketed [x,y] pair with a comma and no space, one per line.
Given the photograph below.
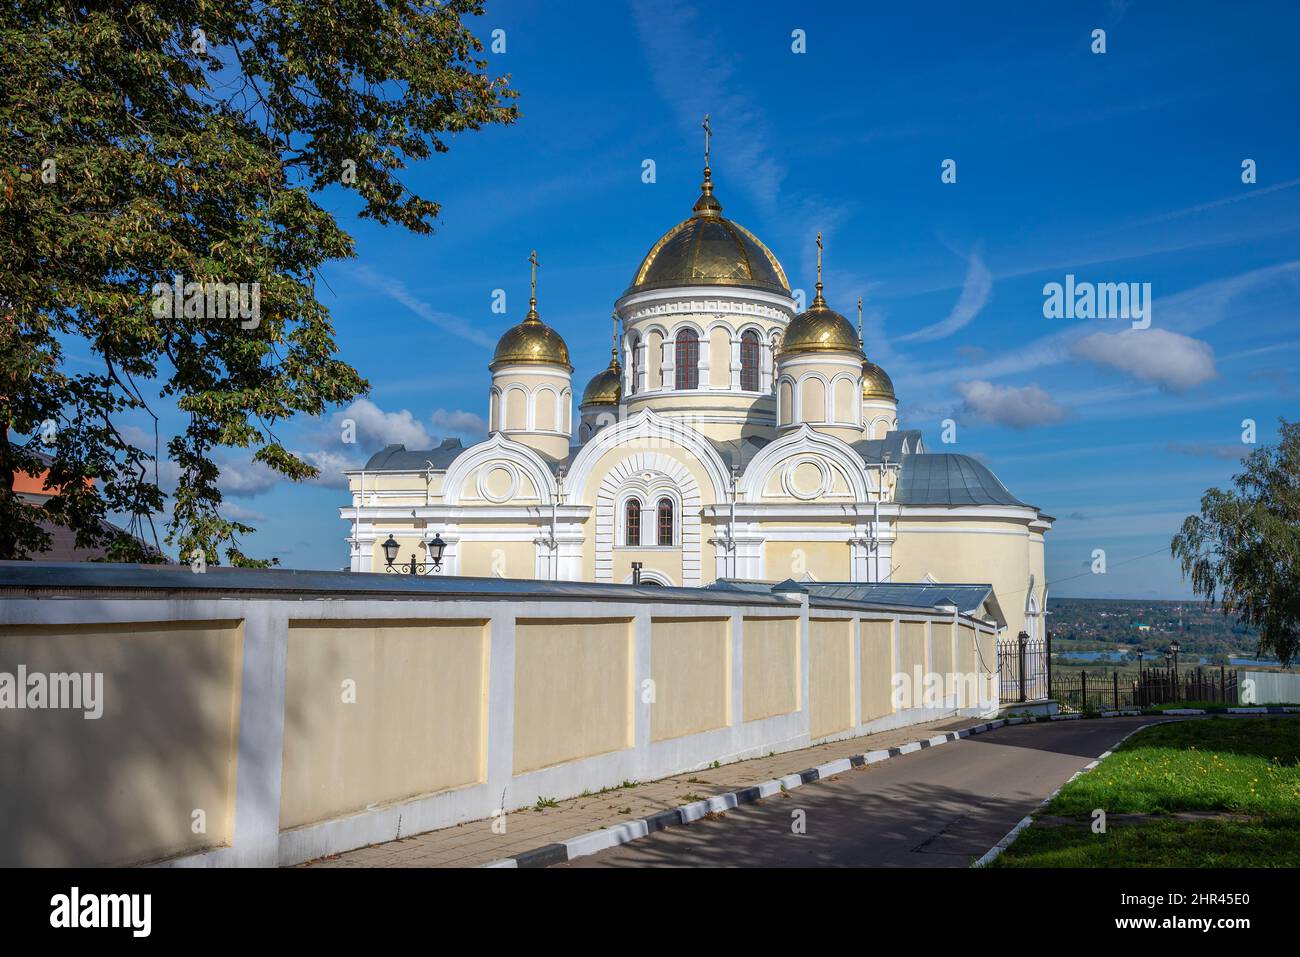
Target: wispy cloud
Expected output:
[975,292]
[396,290]
[1205,450]
[1249,192]
[694,76]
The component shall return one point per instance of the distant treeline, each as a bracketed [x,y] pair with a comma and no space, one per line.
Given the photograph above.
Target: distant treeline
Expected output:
[1102,624]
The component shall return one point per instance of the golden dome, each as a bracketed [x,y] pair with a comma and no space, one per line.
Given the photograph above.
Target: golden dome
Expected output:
[820,328]
[876,383]
[708,250]
[531,341]
[606,387]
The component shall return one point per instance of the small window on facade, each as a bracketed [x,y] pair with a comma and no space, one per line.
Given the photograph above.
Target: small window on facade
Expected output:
[665,521]
[750,359]
[688,359]
[633,535]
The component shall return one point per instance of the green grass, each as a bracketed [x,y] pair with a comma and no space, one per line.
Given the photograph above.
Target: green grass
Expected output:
[1243,766]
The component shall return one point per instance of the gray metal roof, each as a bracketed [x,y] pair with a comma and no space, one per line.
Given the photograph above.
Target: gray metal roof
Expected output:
[945,478]
[397,458]
[920,595]
[738,453]
[38,579]
[873,451]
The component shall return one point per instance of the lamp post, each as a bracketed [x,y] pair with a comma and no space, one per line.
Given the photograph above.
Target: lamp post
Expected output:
[436,547]
[1169,672]
[1141,689]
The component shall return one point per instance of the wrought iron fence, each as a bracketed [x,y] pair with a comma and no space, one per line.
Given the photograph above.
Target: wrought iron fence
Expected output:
[1101,690]
[1024,669]
[1025,673]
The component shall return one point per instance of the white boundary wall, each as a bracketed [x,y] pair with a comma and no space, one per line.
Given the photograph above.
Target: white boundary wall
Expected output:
[258,839]
[1271,687]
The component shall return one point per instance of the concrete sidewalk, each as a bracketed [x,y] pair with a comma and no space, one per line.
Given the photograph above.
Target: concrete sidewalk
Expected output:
[473,843]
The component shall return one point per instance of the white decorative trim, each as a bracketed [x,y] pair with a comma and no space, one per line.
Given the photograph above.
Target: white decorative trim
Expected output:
[498,448]
[611,494]
[805,439]
[482,484]
[791,488]
[658,432]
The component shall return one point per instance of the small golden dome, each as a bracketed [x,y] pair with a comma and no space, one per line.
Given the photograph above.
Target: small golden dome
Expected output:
[820,328]
[708,250]
[876,383]
[606,387]
[532,340]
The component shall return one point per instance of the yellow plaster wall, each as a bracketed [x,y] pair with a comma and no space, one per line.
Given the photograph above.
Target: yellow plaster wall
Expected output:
[830,676]
[877,665]
[121,788]
[690,662]
[957,554]
[720,359]
[573,690]
[498,559]
[911,648]
[771,667]
[377,712]
[825,561]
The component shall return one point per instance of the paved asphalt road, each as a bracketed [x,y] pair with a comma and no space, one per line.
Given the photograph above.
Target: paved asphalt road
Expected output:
[940,807]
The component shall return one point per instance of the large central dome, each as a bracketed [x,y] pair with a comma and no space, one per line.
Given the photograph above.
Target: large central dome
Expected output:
[708,250]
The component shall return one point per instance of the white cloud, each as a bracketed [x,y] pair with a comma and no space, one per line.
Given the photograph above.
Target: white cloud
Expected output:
[246,478]
[975,292]
[377,428]
[332,465]
[237,512]
[459,422]
[1168,359]
[1019,408]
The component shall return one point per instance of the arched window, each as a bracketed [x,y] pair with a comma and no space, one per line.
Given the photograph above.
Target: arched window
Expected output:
[750,359]
[633,534]
[688,359]
[665,521]
[634,346]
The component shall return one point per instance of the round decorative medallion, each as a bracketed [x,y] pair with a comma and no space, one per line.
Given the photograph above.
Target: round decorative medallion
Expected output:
[806,478]
[498,482]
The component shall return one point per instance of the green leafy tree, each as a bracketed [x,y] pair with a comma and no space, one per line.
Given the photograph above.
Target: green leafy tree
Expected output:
[1244,547]
[144,141]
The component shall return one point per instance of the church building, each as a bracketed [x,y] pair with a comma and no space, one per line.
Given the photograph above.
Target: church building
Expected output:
[730,437]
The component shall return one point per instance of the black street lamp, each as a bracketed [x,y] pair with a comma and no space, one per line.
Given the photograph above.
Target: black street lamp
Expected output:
[1140,687]
[414,567]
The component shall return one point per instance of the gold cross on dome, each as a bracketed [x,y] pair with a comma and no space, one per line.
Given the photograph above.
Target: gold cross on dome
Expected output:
[819,257]
[532,296]
[707,131]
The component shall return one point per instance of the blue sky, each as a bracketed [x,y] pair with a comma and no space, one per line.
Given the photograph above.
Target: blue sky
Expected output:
[1117,167]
